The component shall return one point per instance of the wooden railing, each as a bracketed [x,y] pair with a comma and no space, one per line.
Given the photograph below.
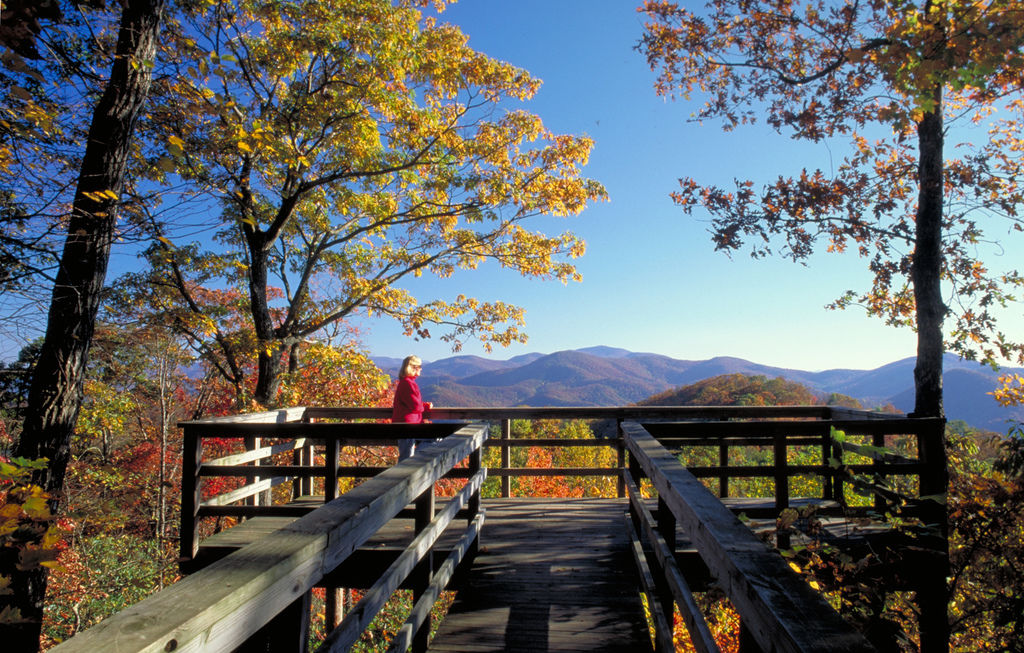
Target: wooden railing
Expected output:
[778,609]
[259,596]
[236,604]
[883,447]
[313,472]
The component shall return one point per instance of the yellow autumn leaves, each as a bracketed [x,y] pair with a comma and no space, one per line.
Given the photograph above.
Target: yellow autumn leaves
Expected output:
[363,142]
[1011,390]
[26,524]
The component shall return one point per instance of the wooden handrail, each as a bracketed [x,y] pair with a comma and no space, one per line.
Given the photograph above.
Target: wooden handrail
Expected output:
[783,615]
[724,427]
[589,412]
[221,607]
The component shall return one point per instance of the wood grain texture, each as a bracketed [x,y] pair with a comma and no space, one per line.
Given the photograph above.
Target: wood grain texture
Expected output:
[781,611]
[220,608]
[550,576]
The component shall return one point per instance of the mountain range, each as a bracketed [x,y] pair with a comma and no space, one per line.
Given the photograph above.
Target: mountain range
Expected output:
[608,376]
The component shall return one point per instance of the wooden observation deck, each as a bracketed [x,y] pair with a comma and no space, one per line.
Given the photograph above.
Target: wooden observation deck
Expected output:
[530,573]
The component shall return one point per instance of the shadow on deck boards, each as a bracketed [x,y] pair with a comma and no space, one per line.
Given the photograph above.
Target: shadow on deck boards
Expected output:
[551,575]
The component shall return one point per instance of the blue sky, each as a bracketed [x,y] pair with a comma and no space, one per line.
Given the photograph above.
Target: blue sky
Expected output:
[651,279]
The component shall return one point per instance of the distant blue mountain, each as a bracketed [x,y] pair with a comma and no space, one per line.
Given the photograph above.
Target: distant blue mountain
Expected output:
[597,376]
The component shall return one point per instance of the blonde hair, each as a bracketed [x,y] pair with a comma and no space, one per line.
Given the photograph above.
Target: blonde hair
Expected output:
[407,365]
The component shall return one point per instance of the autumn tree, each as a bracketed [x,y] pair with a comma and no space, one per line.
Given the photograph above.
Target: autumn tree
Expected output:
[893,77]
[350,146]
[90,215]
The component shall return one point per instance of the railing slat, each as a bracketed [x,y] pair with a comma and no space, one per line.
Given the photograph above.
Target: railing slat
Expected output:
[360,616]
[663,642]
[700,634]
[421,611]
[257,454]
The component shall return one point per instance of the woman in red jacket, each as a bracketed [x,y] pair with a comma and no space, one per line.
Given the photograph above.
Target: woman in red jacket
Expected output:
[409,406]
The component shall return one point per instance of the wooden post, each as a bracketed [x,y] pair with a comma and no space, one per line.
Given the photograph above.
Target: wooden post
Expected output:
[192,455]
[331,455]
[838,485]
[476,463]
[620,450]
[723,462]
[506,464]
[781,486]
[334,600]
[827,480]
[251,443]
[878,440]
[425,570]
[309,459]
[334,607]
[636,472]
[667,528]
[297,458]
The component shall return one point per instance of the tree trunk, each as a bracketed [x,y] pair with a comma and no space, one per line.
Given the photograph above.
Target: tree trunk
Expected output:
[56,392]
[926,271]
[268,367]
[164,427]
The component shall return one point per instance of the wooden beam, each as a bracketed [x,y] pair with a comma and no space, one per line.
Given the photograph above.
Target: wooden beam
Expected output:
[782,611]
[552,442]
[740,428]
[696,626]
[556,471]
[218,608]
[587,412]
[326,430]
[277,416]
[360,616]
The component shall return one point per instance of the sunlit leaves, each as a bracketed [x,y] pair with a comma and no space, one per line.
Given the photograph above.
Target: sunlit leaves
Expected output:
[354,144]
[29,538]
[986,517]
[828,70]
[1011,390]
[335,376]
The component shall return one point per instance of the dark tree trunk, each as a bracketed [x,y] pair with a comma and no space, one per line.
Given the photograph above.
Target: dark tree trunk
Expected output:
[926,272]
[56,392]
[268,366]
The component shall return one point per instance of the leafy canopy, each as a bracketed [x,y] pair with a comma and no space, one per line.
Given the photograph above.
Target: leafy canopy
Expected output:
[870,72]
[350,144]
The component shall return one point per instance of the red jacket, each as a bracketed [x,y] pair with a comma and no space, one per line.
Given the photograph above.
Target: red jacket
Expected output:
[408,405]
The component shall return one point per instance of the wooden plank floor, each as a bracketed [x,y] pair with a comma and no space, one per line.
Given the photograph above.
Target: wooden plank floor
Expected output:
[550,576]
